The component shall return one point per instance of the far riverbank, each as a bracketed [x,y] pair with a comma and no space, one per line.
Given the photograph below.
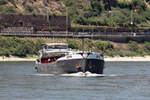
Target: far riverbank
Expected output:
[128,59]
[107,59]
[13,58]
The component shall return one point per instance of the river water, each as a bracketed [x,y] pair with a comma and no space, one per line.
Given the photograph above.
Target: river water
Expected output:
[121,81]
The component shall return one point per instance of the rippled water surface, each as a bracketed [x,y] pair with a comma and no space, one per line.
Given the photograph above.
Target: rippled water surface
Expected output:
[121,81]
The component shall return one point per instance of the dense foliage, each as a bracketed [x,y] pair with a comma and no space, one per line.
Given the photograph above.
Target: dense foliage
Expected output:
[116,13]
[72,44]
[23,47]
[135,49]
[19,47]
[112,13]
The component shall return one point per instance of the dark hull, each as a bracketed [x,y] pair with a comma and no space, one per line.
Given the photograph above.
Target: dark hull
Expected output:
[72,66]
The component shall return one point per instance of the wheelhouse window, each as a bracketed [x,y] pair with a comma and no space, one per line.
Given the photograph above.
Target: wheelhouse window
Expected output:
[56,47]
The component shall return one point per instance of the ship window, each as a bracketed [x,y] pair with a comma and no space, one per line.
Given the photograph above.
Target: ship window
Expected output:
[20,23]
[45,47]
[57,47]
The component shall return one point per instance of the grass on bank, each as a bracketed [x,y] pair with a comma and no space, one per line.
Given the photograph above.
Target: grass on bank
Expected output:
[24,47]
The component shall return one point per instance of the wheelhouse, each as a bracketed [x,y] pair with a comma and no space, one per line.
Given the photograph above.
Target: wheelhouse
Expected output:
[52,46]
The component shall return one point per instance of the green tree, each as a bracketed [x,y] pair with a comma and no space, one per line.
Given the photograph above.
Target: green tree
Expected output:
[68,2]
[7,10]
[2,2]
[96,7]
[146,47]
[139,5]
[28,8]
[133,46]
[100,46]
[72,44]
[124,4]
[90,44]
[80,20]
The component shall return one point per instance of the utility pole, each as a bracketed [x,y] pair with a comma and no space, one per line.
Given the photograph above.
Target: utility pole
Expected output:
[111,19]
[66,21]
[48,20]
[131,22]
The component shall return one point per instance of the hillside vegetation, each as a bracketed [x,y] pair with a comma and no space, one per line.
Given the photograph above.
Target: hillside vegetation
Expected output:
[112,13]
[31,6]
[23,47]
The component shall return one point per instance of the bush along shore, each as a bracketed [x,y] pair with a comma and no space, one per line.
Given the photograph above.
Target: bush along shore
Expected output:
[29,47]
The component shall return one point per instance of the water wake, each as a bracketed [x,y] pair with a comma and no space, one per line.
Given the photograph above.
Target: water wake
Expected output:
[86,74]
[79,74]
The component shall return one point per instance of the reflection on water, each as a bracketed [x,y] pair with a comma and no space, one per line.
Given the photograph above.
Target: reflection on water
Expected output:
[121,81]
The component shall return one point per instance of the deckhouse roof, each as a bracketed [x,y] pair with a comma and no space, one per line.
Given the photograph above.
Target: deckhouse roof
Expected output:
[53,44]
